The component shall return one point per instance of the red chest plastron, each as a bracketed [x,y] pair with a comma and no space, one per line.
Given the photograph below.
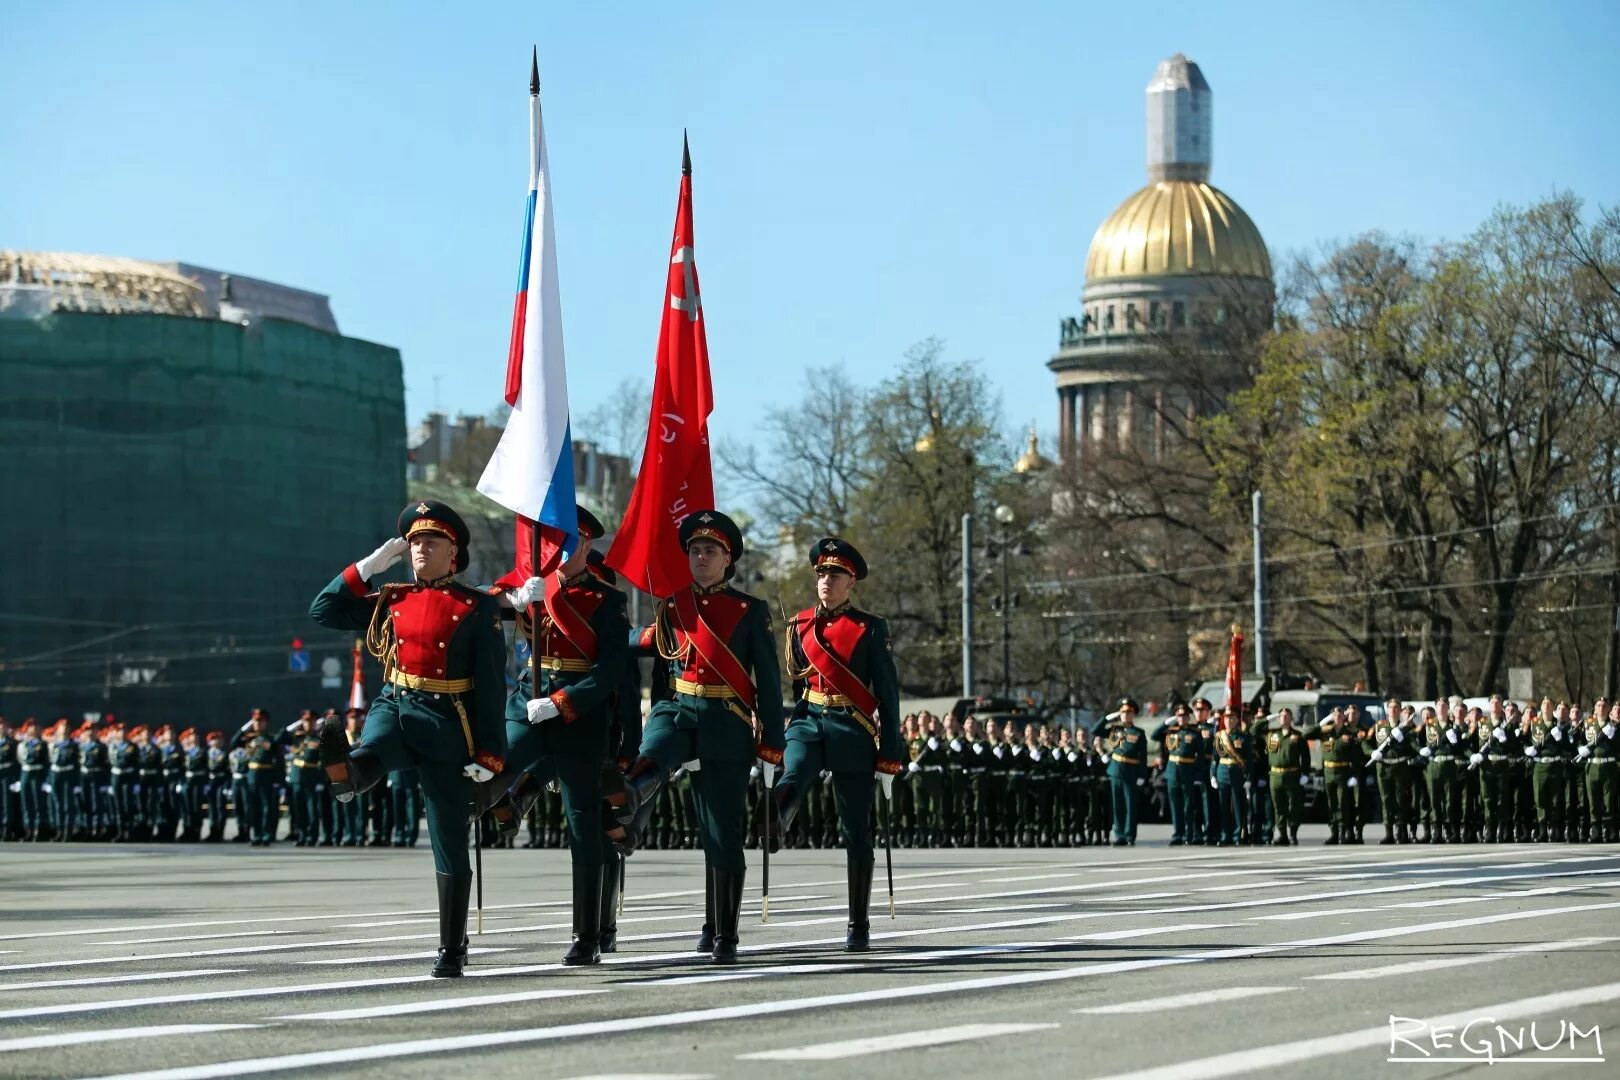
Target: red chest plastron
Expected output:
[722,611]
[425,621]
[842,635]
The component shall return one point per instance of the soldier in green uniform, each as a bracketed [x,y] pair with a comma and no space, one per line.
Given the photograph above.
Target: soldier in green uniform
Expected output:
[718,709]
[995,784]
[905,796]
[1262,815]
[846,716]
[1340,759]
[405,806]
[263,753]
[559,716]
[304,776]
[1180,744]
[1231,774]
[1602,762]
[1127,771]
[958,793]
[440,710]
[1289,758]
[1550,750]
[1501,748]
[1100,812]
[1204,807]
[1576,813]
[350,817]
[1446,746]
[976,758]
[1393,743]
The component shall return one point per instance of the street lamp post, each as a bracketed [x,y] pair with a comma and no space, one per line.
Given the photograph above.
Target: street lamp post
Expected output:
[1004,518]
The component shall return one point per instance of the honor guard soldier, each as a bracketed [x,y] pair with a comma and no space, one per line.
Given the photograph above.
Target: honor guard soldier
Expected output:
[559,716]
[1446,746]
[1289,756]
[305,786]
[1205,801]
[1127,771]
[1231,774]
[217,760]
[123,758]
[846,719]
[1500,747]
[930,785]
[723,711]
[440,712]
[1392,745]
[1341,757]
[33,761]
[95,784]
[64,778]
[1180,741]
[624,746]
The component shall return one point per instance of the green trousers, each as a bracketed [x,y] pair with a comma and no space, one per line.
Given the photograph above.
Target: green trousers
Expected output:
[1285,801]
[852,793]
[1394,792]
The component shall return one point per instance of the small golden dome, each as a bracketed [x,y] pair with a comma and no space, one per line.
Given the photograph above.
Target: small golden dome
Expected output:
[1031,461]
[1177,227]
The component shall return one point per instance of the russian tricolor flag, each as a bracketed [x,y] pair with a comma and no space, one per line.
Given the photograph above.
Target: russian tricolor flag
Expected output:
[532,470]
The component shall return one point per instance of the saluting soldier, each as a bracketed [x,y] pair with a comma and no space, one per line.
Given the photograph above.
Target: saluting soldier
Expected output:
[1127,771]
[1602,761]
[262,751]
[1289,757]
[1180,744]
[1391,750]
[1206,807]
[559,715]
[1341,757]
[440,710]
[722,712]
[845,719]
[1231,776]
[306,779]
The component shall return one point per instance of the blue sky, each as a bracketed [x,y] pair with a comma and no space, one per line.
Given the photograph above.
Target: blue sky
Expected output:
[866,175]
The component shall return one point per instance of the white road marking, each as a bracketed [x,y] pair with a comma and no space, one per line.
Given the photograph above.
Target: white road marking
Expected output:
[755,1009]
[1253,1059]
[401,957]
[442,1005]
[75,1038]
[905,1040]
[1182,1001]
[193,937]
[108,980]
[1147,931]
[1412,967]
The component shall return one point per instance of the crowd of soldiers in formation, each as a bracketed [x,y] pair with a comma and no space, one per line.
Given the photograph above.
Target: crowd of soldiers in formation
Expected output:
[1440,774]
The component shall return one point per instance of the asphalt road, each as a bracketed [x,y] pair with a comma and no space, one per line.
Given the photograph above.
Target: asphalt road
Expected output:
[205,961]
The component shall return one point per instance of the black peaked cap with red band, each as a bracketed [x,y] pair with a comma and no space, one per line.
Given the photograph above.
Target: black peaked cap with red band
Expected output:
[836,552]
[713,525]
[430,515]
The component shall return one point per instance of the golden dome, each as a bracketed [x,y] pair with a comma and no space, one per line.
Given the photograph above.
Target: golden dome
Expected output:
[1177,227]
[1031,461]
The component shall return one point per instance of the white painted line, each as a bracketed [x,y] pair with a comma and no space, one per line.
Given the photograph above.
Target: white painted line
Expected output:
[905,1040]
[1147,931]
[208,995]
[75,1038]
[401,957]
[755,1009]
[1253,1059]
[443,1005]
[747,973]
[1412,967]
[194,937]
[1181,1001]
[108,980]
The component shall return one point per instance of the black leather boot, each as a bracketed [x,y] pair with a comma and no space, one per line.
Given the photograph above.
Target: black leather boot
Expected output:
[454,892]
[859,936]
[728,890]
[347,773]
[641,795]
[586,949]
[508,807]
[612,881]
[706,938]
[788,800]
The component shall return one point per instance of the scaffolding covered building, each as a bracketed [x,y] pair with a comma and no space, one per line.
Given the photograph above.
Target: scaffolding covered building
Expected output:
[189,456]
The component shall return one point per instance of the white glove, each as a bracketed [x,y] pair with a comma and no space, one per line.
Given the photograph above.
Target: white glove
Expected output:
[1530,751]
[1073,756]
[913,767]
[527,593]
[1034,755]
[1247,784]
[693,766]
[933,743]
[1425,752]
[1583,753]
[1451,736]
[1353,782]
[998,751]
[1399,734]
[1500,735]
[1140,781]
[541,709]
[956,744]
[390,553]
[1475,759]
[1558,733]
[477,773]
[754,773]
[886,782]
[768,770]
[1304,781]
[1378,755]
[1608,729]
